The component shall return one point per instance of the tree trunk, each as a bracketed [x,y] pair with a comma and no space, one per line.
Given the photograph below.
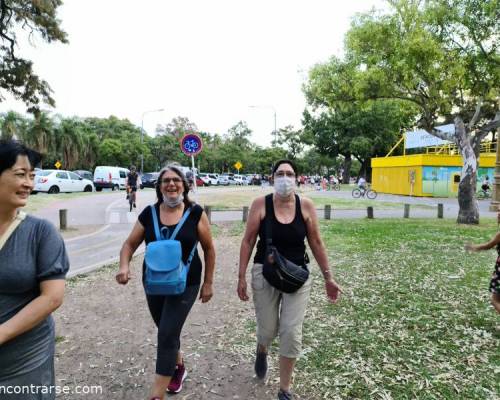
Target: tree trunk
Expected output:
[346,176]
[468,212]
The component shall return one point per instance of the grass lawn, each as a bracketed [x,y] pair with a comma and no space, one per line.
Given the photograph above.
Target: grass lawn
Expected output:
[243,196]
[41,200]
[414,321]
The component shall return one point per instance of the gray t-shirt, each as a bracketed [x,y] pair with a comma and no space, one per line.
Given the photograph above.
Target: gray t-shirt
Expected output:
[35,252]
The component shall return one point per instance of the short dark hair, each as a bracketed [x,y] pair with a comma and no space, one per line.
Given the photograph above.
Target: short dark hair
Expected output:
[285,161]
[175,169]
[11,149]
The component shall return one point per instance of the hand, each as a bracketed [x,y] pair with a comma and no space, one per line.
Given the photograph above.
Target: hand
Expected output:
[242,289]
[3,337]
[123,276]
[206,292]
[470,247]
[333,290]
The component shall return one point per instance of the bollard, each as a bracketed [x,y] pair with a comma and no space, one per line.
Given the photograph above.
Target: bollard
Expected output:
[407,211]
[328,211]
[208,211]
[245,213]
[369,212]
[440,210]
[63,219]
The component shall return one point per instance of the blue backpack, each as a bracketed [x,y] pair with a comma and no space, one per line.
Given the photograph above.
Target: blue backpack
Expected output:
[166,273]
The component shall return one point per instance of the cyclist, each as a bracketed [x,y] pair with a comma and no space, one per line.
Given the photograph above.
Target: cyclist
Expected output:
[486,184]
[362,184]
[132,180]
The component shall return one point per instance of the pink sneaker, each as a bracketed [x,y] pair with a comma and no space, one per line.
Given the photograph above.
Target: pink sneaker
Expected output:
[180,374]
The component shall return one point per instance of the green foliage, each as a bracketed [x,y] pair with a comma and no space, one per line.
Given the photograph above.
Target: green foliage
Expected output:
[16,74]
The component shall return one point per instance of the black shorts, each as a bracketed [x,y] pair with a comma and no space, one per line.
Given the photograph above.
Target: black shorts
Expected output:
[133,188]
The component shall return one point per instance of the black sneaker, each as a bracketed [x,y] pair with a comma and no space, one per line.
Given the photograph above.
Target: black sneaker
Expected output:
[284,395]
[260,364]
[135,206]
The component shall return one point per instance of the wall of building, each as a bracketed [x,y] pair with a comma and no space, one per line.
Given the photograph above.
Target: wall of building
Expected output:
[424,174]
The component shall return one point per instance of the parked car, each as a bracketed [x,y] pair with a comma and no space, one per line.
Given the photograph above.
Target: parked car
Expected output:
[240,180]
[85,174]
[110,177]
[149,179]
[209,179]
[226,180]
[55,181]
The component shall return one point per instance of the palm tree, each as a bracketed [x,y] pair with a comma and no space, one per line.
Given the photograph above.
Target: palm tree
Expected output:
[70,141]
[13,126]
[40,134]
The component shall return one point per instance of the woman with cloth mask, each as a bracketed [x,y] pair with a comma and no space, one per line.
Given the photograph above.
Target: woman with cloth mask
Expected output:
[292,219]
[170,312]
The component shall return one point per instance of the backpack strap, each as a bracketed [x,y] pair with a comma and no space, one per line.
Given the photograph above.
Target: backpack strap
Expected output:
[180,223]
[155,222]
[269,213]
[191,255]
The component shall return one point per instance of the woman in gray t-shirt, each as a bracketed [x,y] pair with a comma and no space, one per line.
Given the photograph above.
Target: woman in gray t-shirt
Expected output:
[33,266]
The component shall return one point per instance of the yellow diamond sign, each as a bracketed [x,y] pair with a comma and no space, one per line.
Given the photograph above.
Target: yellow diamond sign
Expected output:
[238,165]
[57,165]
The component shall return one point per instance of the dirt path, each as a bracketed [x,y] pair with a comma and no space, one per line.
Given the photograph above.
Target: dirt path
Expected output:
[106,337]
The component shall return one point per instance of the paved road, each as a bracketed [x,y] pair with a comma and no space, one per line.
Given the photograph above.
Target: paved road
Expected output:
[110,211]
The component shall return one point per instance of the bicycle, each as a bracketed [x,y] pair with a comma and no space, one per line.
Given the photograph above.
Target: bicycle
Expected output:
[369,193]
[483,194]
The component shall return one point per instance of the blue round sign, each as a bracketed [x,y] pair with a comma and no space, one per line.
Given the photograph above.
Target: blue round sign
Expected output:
[191,144]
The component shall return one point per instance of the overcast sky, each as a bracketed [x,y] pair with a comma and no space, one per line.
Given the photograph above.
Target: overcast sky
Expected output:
[207,60]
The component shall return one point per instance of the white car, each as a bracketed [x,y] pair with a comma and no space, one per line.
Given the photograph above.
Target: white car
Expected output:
[55,181]
[209,179]
[240,179]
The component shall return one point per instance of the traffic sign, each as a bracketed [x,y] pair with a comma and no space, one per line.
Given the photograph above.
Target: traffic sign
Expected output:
[58,165]
[191,144]
[238,165]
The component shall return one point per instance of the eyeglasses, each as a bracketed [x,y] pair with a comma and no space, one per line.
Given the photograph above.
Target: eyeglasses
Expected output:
[168,180]
[288,174]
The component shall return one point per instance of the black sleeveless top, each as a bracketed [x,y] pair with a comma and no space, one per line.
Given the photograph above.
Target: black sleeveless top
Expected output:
[188,235]
[287,238]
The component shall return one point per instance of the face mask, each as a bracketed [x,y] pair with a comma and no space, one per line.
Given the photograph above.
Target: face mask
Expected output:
[284,186]
[172,202]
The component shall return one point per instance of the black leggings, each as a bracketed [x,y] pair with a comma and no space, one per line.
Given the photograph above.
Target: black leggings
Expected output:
[169,314]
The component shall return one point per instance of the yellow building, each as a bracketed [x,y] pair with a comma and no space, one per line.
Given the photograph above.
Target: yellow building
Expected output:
[429,174]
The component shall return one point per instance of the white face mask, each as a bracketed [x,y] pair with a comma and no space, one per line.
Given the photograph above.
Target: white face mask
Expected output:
[284,186]
[173,202]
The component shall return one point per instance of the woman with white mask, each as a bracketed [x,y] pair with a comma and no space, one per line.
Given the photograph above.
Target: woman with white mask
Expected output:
[169,312]
[284,219]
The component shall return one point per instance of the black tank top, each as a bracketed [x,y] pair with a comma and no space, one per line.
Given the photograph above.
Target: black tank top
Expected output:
[287,238]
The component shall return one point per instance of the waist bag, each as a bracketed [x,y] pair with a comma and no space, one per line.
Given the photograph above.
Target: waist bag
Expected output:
[280,272]
[166,273]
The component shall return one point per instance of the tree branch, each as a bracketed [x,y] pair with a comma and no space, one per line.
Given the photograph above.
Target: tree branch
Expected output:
[473,121]
[4,11]
[490,125]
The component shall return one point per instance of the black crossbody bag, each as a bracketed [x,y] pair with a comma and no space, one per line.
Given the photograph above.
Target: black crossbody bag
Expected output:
[280,272]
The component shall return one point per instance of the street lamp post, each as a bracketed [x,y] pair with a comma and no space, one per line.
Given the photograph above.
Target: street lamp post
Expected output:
[274,111]
[142,134]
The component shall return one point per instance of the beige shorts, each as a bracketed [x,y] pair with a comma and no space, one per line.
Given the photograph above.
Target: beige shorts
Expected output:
[278,312]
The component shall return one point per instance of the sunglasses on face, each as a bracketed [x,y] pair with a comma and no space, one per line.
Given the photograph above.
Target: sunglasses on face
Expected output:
[288,174]
[166,181]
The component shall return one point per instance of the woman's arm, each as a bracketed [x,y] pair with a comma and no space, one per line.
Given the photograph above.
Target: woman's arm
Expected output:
[207,245]
[50,299]
[255,216]
[484,246]
[318,248]
[128,249]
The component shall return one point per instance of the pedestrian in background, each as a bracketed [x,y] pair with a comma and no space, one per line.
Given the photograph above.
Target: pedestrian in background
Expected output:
[292,219]
[33,267]
[169,312]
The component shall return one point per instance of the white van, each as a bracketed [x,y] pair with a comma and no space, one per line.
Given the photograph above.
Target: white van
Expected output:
[114,178]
